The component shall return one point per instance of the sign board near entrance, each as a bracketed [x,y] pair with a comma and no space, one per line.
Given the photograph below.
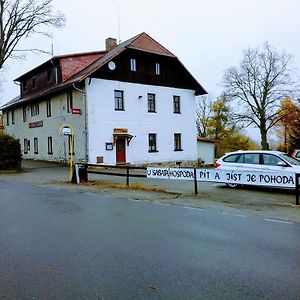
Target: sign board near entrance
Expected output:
[120,130]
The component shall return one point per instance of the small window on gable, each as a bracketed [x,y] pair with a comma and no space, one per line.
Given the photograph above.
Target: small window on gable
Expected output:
[157,69]
[133,64]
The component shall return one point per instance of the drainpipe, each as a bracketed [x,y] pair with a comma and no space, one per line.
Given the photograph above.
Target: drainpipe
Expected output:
[84,112]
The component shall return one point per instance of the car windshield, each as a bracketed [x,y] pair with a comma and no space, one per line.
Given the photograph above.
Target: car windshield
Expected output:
[291,160]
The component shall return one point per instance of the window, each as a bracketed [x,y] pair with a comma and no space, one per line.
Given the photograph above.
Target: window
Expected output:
[34,82]
[7,118]
[48,104]
[35,146]
[271,160]
[35,109]
[176,104]
[24,114]
[177,142]
[152,142]
[157,69]
[249,158]
[69,101]
[50,150]
[26,146]
[151,103]
[232,158]
[12,116]
[133,64]
[24,86]
[49,75]
[119,100]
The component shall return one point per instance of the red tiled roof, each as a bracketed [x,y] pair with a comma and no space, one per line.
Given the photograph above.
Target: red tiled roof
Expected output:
[71,65]
[146,43]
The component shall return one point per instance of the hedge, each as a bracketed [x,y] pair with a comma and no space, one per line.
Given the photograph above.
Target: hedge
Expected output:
[10,152]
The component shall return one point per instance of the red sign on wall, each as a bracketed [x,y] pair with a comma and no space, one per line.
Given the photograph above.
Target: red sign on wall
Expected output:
[35,124]
[76,111]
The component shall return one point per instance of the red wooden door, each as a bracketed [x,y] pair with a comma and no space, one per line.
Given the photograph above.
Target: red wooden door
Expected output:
[120,151]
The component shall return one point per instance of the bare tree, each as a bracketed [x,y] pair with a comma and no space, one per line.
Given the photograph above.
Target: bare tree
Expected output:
[21,18]
[261,81]
[204,113]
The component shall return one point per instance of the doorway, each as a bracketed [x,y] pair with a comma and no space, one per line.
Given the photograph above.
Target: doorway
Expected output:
[120,150]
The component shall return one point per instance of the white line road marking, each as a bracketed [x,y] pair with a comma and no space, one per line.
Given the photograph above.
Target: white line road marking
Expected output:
[279,221]
[134,200]
[231,214]
[90,194]
[162,204]
[194,208]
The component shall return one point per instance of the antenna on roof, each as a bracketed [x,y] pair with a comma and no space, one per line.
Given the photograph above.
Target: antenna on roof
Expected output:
[119,24]
[52,45]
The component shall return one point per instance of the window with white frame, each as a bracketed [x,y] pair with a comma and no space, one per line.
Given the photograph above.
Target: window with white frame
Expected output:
[69,101]
[119,100]
[7,118]
[26,146]
[176,104]
[177,142]
[35,109]
[133,64]
[151,103]
[12,116]
[50,148]
[35,146]
[24,114]
[152,142]
[48,106]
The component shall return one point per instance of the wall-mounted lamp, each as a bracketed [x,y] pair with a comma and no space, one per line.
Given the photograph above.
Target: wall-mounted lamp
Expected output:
[140,97]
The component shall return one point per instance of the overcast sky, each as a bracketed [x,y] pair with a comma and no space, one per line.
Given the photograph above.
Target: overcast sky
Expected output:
[207,36]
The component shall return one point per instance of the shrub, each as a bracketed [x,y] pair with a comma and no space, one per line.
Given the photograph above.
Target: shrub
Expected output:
[10,152]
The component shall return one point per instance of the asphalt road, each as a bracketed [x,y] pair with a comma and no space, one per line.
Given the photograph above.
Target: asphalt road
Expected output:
[59,244]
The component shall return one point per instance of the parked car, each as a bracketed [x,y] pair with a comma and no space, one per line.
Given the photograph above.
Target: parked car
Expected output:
[296,154]
[258,160]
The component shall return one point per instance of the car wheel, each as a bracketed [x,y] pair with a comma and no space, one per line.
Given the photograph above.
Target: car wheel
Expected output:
[232,185]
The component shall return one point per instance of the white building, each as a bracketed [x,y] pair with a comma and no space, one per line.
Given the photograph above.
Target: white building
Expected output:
[132,103]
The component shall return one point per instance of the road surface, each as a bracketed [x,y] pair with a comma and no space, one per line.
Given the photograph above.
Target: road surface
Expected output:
[59,244]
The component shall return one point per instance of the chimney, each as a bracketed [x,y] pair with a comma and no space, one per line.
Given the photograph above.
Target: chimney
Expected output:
[110,43]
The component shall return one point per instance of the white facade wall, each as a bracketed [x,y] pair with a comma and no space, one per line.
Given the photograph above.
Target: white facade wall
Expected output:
[102,119]
[50,128]
[206,151]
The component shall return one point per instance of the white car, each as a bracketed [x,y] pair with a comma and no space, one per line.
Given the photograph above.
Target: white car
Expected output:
[262,161]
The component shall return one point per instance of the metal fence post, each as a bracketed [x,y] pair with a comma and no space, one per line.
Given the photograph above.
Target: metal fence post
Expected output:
[127,176]
[297,189]
[195,181]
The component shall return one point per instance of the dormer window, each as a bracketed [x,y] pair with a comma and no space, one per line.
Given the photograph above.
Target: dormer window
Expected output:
[24,86]
[34,82]
[157,69]
[133,64]
[49,75]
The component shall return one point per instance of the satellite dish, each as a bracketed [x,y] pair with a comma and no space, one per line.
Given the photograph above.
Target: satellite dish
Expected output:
[111,65]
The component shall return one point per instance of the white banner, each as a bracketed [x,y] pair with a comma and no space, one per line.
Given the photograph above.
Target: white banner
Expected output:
[274,179]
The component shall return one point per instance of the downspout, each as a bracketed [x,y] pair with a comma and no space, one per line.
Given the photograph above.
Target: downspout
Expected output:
[84,112]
